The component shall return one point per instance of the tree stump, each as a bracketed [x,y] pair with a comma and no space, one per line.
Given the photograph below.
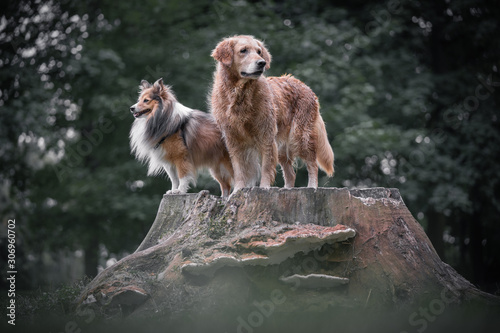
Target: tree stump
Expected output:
[274,253]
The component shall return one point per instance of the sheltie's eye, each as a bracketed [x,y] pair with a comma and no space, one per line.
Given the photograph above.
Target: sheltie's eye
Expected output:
[146,100]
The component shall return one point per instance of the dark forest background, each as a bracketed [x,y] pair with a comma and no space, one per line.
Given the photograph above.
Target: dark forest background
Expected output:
[409,91]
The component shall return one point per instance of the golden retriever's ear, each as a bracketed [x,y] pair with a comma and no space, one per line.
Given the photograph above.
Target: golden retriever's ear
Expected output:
[224,52]
[266,55]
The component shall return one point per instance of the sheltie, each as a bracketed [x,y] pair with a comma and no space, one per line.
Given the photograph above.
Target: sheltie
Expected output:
[176,139]
[271,120]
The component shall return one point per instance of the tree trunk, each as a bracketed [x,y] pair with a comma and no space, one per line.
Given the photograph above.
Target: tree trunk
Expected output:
[476,247]
[91,258]
[435,231]
[294,253]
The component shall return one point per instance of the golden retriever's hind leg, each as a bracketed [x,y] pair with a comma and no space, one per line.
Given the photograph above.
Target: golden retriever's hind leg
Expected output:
[288,171]
[312,170]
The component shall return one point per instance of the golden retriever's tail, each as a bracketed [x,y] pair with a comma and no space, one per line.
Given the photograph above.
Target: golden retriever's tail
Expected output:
[324,156]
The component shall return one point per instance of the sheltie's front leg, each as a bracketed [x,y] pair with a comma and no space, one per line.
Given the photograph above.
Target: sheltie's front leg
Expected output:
[183,185]
[172,174]
[185,174]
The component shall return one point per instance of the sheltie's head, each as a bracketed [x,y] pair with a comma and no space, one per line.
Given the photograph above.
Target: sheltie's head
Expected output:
[157,115]
[151,98]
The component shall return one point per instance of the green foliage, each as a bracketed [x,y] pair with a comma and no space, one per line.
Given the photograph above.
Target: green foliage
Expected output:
[56,303]
[409,94]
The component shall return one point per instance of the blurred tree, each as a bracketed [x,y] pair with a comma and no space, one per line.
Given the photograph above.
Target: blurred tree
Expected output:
[37,43]
[462,53]
[63,137]
[408,91]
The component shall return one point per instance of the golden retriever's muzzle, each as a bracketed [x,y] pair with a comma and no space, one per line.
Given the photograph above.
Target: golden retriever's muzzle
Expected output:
[258,69]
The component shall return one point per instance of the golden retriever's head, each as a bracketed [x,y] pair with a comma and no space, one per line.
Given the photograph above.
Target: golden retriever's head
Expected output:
[150,97]
[245,55]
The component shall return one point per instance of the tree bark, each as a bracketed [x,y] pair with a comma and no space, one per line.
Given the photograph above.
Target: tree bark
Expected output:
[295,251]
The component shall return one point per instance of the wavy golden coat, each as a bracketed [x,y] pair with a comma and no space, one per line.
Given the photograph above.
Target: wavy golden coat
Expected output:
[266,119]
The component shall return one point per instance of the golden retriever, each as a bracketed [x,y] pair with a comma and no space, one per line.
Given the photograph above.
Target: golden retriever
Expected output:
[266,119]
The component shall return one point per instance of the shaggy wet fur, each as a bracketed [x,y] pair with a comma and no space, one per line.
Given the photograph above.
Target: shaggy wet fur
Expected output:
[266,120]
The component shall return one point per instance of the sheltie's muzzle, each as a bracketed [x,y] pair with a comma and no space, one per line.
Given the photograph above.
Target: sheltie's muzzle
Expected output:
[137,114]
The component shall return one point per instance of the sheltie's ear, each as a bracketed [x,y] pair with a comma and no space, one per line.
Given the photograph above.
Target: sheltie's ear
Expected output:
[158,86]
[144,85]
[224,52]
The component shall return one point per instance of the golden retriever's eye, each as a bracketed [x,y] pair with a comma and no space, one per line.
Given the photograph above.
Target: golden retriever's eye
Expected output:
[146,100]
[243,51]
[259,52]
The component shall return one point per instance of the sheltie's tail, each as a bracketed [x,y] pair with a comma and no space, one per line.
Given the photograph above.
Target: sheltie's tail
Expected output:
[324,156]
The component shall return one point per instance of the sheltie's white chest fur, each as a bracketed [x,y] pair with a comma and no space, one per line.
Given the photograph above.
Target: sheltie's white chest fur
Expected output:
[148,152]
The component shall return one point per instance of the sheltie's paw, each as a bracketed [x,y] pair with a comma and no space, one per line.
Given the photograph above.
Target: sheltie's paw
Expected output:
[175,192]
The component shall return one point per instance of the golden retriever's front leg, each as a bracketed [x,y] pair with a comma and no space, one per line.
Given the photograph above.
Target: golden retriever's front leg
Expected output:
[245,163]
[269,161]
[239,175]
